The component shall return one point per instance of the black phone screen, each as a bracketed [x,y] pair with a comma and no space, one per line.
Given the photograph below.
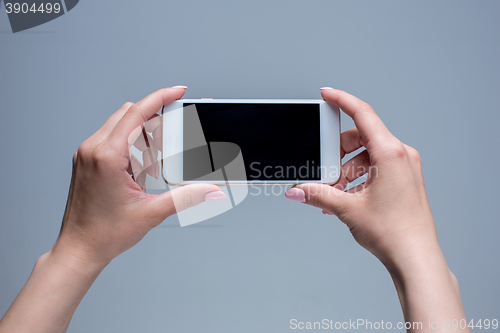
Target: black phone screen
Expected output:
[277,141]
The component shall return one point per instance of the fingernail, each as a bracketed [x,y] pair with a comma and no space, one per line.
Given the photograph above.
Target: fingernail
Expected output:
[325,88]
[179,87]
[214,196]
[295,194]
[327,212]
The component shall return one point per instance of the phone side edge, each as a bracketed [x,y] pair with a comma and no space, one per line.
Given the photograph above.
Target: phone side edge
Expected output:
[172,131]
[330,143]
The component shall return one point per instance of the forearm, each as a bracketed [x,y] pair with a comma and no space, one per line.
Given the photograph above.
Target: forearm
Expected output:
[51,295]
[428,292]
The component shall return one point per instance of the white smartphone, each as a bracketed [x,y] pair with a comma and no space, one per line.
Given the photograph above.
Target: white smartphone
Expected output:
[250,141]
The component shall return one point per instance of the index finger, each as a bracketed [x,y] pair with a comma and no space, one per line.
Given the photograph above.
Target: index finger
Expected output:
[370,126]
[141,111]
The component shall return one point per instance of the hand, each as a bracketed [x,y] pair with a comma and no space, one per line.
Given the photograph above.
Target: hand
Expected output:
[389,214]
[107,212]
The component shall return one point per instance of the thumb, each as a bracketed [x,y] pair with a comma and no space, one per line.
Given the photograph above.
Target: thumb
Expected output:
[184,197]
[322,196]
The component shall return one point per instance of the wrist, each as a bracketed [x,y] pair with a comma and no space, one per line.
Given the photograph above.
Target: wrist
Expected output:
[423,258]
[75,257]
[412,249]
[421,268]
[426,287]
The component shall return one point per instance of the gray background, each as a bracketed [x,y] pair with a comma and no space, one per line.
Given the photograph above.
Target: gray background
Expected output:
[429,69]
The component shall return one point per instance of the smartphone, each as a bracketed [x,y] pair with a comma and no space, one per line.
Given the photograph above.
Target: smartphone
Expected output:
[250,141]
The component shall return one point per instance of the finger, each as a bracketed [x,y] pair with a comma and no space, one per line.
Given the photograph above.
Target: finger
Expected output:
[150,159]
[179,199]
[350,141]
[152,123]
[110,124]
[154,126]
[144,141]
[135,165]
[322,196]
[146,145]
[353,169]
[142,111]
[158,138]
[370,126]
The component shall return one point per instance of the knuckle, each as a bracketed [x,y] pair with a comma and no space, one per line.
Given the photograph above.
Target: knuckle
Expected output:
[84,151]
[311,195]
[187,202]
[101,155]
[315,195]
[364,107]
[127,105]
[136,111]
[396,151]
[313,198]
[414,155]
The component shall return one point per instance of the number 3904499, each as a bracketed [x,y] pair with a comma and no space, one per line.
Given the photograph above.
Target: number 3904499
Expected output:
[25,8]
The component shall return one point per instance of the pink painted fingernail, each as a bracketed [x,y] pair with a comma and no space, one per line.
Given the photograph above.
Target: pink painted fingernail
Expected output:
[295,194]
[214,196]
[325,88]
[327,212]
[179,87]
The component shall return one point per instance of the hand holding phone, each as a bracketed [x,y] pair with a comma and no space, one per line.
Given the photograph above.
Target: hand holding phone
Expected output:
[107,211]
[106,214]
[389,214]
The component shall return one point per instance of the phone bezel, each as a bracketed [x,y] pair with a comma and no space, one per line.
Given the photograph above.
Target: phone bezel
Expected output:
[172,123]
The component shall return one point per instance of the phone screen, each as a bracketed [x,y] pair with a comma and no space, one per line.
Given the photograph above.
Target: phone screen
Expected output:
[277,141]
